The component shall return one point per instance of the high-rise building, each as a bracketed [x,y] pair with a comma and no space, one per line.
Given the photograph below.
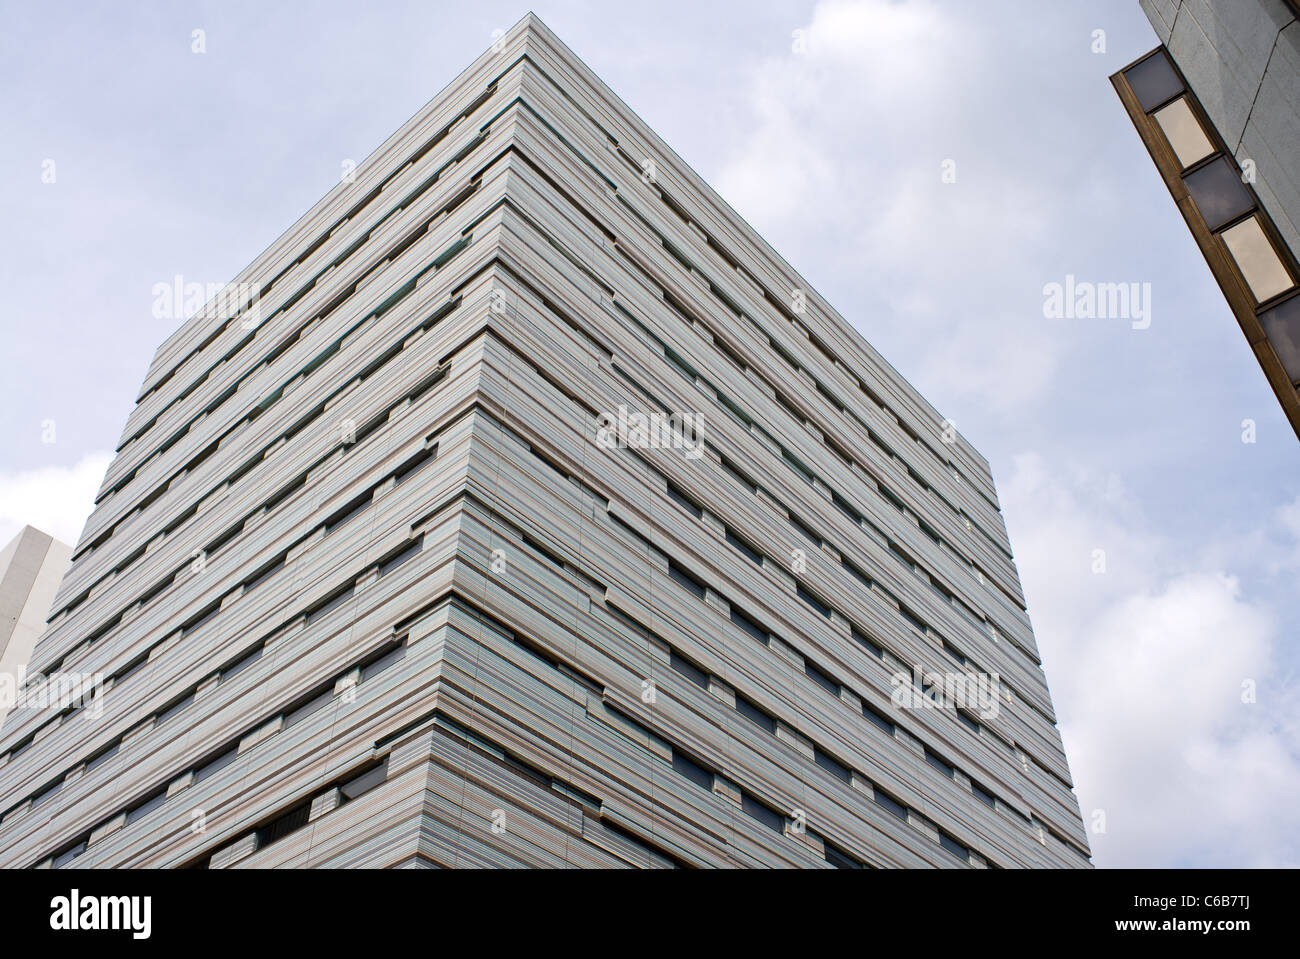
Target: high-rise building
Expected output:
[30,569]
[522,507]
[1217,106]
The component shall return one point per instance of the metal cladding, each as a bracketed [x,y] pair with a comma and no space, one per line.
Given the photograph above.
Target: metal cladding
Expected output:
[531,511]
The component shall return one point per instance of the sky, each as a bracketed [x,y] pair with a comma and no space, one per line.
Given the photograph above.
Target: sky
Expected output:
[930,168]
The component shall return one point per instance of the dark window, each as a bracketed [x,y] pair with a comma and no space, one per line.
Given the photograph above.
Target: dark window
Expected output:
[969,723]
[352,509]
[871,645]
[169,711]
[692,771]
[839,859]
[412,465]
[290,822]
[688,669]
[406,553]
[265,573]
[685,502]
[821,679]
[685,579]
[101,757]
[878,718]
[813,601]
[382,663]
[1154,81]
[317,702]
[767,816]
[69,854]
[954,847]
[1282,327]
[749,626]
[241,664]
[216,764]
[142,809]
[329,605]
[938,764]
[887,801]
[365,782]
[47,793]
[754,714]
[200,619]
[983,795]
[131,668]
[1219,193]
[753,555]
[831,765]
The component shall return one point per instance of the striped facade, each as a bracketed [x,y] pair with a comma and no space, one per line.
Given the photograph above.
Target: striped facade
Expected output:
[372,586]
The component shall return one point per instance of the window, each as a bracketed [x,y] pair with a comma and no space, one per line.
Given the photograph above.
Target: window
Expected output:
[688,669]
[755,715]
[329,605]
[878,719]
[862,639]
[101,757]
[69,854]
[749,626]
[969,723]
[886,801]
[953,846]
[1218,192]
[939,764]
[265,573]
[813,601]
[832,765]
[241,664]
[352,509]
[1262,268]
[148,805]
[215,765]
[685,579]
[364,782]
[47,793]
[840,859]
[753,555]
[169,711]
[821,679]
[762,812]
[983,795]
[405,554]
[413,465]
[692,771]
[685,502]
[1282,327]
[383,662]
[316,703]
[1154,81]
[1184,132]
[290,822]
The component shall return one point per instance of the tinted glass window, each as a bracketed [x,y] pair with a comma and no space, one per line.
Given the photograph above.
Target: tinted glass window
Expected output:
[1218,192]
[1154,81]
[1282,327]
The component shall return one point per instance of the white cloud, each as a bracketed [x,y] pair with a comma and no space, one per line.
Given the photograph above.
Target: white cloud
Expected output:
[1146,664]
[54,499]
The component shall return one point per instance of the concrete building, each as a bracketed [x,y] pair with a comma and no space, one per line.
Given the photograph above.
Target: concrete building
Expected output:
[1218,107]
[523,508]
[31,567]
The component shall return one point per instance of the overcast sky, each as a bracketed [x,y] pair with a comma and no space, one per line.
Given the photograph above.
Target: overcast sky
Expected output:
[1101,436]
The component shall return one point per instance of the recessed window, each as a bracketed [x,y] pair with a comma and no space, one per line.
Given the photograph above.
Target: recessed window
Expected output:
[954,847]
[821,679]
[382,663]
[749,626]
[101,757]
[147,806]
[1184,132]
[831,765]
[69,854]
[767,816]
[878,719]
[365,782]
[754,714]
[215,765]
[316,703]
[241,664]
[290,822]
[685,579]
[1257,259]
[890,803]
[174,708]
[1282,327]
[1218,192]
[1154,81]
[688,669]
[692,770]
[939,764]
[983,795]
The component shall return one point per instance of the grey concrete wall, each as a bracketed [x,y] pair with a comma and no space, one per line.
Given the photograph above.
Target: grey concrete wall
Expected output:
[1242,59]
